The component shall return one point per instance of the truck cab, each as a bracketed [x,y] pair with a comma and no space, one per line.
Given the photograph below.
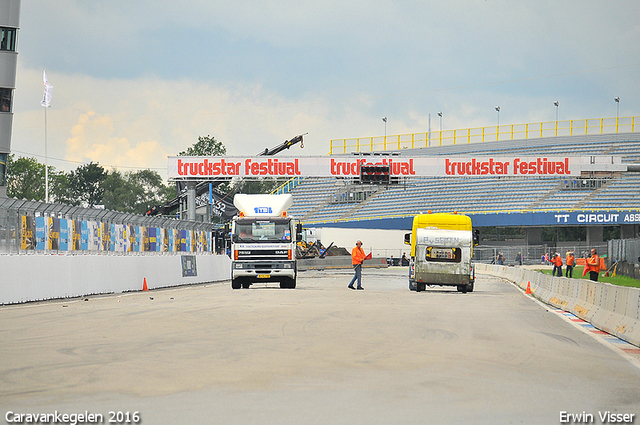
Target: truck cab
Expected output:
[441,252]
[263,241]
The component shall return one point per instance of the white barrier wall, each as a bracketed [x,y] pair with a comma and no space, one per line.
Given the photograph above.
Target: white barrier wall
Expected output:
[613,309]
[41,277]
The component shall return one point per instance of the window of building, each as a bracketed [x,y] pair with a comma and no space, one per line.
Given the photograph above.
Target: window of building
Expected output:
[5,99]
[8,39]
[3,169]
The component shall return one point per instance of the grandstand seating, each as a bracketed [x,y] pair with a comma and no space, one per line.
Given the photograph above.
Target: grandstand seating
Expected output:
[315,198]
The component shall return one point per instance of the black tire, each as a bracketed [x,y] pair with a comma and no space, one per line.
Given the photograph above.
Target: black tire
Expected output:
[470,287]
[420,286]
[246,284]
[288,283]
[412,285]
[235,283]
[462,288]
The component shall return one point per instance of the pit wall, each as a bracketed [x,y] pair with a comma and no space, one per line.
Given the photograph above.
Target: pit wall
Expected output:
[613,309]
[25,278]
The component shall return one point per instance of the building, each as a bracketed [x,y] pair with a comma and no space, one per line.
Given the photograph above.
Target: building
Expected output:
[9,23]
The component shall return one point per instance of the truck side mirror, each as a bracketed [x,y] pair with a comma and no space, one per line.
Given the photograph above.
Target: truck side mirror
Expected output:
[407,238]
[298,232]
[476,237]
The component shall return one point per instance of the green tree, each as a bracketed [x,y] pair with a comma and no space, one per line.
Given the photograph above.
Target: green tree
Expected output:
[205,146]
[85,185]
[208,146]
[134,192]
[119,194]
[26,180]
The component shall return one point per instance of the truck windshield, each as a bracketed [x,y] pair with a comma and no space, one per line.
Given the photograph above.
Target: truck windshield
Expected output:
[249,230]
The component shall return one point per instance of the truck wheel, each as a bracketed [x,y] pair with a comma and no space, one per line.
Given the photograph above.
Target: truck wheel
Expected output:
[235,283]
[246,284]
[420,286]
[462,288]
[470,287]
[412,285]
[288,283]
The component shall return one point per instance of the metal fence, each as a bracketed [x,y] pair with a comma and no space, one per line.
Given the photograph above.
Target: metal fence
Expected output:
[37,227]
[625,250]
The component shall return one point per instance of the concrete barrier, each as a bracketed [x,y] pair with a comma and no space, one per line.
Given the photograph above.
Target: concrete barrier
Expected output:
[613,309]
[337,262]
[27,278]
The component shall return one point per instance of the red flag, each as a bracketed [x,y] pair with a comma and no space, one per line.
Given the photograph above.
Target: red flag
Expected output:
[368,257]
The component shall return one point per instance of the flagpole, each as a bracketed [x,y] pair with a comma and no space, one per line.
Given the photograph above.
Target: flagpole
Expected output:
[46,102]
[46,161]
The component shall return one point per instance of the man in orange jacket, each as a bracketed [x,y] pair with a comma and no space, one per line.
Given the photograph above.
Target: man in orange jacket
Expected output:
[357,258]
[557,265]
[571,261]
[593,263]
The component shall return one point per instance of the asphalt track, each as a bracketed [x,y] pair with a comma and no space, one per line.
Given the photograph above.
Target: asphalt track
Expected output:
[319,354]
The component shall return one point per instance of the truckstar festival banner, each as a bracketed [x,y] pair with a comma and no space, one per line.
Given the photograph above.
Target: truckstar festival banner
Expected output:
[441,166]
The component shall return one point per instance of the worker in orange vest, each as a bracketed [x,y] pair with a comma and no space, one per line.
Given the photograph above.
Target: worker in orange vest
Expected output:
[593,263]
[357,258]
[571,261]
[557,265]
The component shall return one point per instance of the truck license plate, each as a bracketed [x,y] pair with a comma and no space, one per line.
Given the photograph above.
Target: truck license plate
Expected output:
[263,276]
[446,254]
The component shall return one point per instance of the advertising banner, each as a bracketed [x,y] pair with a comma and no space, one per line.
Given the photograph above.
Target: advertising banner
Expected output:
[139,242]
[84,235]
[54,233]
[41,232]
[440,166]
[27,232]
[76,234]
[64,235]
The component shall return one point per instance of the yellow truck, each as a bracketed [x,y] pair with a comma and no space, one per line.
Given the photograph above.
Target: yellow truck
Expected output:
[441,251]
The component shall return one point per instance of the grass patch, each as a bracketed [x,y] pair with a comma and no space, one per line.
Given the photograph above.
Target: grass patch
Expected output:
[614,280]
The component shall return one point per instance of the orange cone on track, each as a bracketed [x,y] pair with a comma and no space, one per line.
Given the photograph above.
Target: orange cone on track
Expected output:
[528,291]
[144,285]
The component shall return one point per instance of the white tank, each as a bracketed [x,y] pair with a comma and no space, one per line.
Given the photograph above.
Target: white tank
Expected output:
[262,205]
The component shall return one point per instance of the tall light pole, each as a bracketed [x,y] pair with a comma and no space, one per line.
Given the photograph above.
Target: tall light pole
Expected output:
[385,127]
[498,126]
[617,99]
[556,104]
[440,115]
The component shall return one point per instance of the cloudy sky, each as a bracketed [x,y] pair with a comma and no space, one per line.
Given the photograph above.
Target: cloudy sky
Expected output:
[137,81]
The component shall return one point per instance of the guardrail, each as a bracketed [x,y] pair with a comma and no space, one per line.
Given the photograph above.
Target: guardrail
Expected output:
[494,133]
[613,309]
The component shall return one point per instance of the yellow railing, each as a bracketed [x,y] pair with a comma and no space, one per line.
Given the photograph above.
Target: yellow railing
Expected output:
[487,134]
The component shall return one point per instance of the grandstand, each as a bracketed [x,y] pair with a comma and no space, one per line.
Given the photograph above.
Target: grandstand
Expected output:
[322,200]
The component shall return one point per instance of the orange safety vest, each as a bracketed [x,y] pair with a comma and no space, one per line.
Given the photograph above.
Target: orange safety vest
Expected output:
[571,260]
[594,263]
[558,261]
[357,255]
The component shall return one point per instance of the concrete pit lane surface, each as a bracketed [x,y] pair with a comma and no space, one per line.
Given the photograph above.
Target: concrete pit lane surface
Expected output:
[319,354]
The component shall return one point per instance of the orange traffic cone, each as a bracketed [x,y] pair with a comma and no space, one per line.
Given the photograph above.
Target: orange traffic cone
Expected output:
[144,285]
[528,291]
